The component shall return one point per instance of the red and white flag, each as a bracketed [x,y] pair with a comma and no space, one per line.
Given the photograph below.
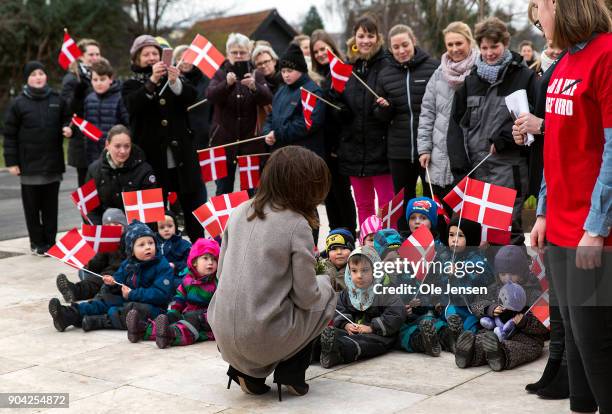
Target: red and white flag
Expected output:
[86,198]
[308,104]
[441,210]
[205,214]
[88,129]
[102,238]
[539,270]
[69,53]
[419,249]
[495,236]
[72,249]
[392,212]
[455,197]
[172,197]
[248,166]
[213,164]
[203,54]
[340,72]
[488,204]
[146,206]
[540,309]
[226,203]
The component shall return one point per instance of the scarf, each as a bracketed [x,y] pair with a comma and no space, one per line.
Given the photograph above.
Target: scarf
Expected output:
[141,74]
[111,163]
[546,62]
[456,72]
[361,298]
[36,93]
[490,73]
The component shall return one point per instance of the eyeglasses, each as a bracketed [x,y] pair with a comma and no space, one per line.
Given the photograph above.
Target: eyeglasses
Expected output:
[263,63]
[538,25]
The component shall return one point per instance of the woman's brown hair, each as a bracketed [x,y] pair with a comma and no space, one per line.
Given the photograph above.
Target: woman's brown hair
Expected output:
[294,178]
[116,130]
[367,23]
[576,20]
[323,36]
[493,29]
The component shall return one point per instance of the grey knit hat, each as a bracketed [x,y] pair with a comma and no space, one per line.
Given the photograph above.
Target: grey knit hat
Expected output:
[114,215]
[141,42]
[512,296]
[512,259]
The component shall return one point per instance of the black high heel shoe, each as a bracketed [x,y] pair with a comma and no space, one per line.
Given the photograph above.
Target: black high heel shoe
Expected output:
[295,389]
[247,384]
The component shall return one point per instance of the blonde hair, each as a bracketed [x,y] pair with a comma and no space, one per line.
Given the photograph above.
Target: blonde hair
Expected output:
[401,29]
[178,52]
[462,29]
[576,20]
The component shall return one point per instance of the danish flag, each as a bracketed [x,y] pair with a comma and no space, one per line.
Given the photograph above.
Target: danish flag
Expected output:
[419,247]
[69,53]
[213,164]
[340,72]
[86,198]
[392,212]
[495,236]
[102,238]
[488,204]
[540,309]
[308,104]
[144,205]
[72,249]
[539,270]
[88,129]
[249,171]
[203,54]
[213,215]
[441,210]
[455,197]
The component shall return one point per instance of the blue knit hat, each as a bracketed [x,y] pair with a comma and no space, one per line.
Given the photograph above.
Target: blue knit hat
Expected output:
[512,296]
[135,231]
[425,206]
[385,240]
[339,237]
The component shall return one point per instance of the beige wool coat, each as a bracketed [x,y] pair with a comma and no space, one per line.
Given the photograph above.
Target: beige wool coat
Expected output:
[269,303]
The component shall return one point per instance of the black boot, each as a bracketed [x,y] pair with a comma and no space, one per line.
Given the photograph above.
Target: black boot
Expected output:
[494,352]
[136,326]
[249,385]
[447,340]
[95,322]
[464,352]
[558,388]
[330,348]
[65,287]
[63,316]
[552,367]
[164,334]
[426,340]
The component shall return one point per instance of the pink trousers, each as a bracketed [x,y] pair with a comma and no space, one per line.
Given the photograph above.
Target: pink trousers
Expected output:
[364,188]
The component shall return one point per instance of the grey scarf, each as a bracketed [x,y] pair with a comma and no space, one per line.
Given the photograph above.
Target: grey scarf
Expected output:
[490,73]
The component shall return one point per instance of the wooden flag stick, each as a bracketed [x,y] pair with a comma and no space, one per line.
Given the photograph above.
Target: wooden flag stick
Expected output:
[429,181]
[324,100]
[195,105]
[341,314]
[83,269]
[365,85]
[234,143]
[253,155]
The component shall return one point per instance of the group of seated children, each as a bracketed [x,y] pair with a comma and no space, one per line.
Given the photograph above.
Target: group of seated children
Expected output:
[156,285]
[493,326]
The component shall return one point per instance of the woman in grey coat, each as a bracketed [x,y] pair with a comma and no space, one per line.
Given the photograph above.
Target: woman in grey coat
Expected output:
[269,305]
[437,103]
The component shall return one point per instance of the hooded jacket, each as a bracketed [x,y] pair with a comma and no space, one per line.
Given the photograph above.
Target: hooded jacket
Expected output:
[175,250]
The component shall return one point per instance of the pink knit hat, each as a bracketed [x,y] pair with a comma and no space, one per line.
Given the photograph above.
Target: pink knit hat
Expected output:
[370,225]
[200,248]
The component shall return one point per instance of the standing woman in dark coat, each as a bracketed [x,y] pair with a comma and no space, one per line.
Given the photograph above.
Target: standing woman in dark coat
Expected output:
[235,106]
[339,203]
[33,150]
[77,83]
[402,84]
[160,126]
[363,146]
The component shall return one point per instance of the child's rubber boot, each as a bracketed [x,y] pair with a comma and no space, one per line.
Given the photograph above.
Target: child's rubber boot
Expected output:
[96,322]
[63,316]
[136,326]
[65,287]
[330,348]
[494,352]
[464,352]
[165,333]
[430,342]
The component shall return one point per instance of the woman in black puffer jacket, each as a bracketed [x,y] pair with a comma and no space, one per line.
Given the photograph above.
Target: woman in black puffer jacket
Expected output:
[363,147]
[121,167]
[402,84]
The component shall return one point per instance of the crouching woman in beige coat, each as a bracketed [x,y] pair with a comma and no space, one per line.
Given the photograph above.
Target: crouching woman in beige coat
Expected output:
[269,305]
